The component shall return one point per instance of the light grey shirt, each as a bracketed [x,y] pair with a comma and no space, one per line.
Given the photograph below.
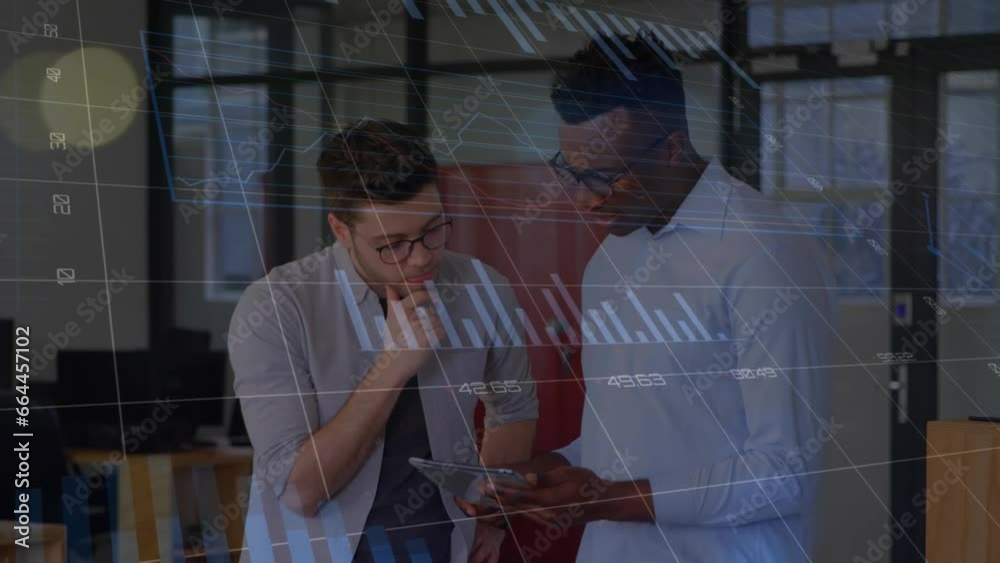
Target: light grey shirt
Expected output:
[300,341]
[721,400]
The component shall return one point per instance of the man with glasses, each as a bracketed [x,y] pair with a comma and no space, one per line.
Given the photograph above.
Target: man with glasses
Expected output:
[707,334]
[353,365]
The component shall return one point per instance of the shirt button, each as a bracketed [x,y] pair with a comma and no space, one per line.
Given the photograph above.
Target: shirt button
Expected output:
[368,494]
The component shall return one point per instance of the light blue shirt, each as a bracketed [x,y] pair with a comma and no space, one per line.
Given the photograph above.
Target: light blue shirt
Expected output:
[730,428]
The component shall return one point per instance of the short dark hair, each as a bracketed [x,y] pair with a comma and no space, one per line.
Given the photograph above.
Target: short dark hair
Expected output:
[589,85]
[381,160]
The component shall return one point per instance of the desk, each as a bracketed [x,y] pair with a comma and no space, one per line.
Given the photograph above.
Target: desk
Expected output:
[147,502]
[961,515]
[48,544]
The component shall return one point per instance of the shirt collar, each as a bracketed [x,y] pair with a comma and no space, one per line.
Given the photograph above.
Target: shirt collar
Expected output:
[359,288]
[706,206]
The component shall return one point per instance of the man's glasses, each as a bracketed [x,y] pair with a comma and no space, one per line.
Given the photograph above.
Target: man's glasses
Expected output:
[599,183]
[398,251]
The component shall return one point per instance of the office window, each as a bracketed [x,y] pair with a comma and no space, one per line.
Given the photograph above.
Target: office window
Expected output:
[798,22]
[967,201]
[824,149]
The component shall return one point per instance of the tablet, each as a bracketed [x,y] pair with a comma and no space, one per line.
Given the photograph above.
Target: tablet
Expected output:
[463,479]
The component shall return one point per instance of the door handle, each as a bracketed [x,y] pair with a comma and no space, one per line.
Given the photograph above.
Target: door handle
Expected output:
[899,386]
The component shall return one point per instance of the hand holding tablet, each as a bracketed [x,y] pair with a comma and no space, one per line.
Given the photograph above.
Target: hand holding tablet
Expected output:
[465,480]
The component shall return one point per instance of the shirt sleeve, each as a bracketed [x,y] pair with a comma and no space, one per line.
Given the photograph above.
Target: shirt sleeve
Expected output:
[507,367]
[572,452]
[266,343]
[785,413]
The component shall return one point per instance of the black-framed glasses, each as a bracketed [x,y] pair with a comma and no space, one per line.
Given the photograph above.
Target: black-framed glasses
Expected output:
[599,183]
[434,238]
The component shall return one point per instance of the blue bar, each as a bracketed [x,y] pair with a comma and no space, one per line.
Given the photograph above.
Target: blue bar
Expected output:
[577,315]
[645,317]
[258,538]
[77,521]
[334,529]
[456,8]
[534,6]
[680,41]
[614,320]
[511,27]
[601,43]
[380,325]
[618,24]
[687,331]
[660,36]
[418,551]
[491,330]
[411,339]
[607,31]
[552,335]
[561,17]
[728,60]
[120,541]
[470,328]
[641,336]
[694,40]
[690,313]
[167,527]
[573,338]
[379,543]
[207,500]
[530,330]
[491,292]
[415,14]
[587,333]
[425,323]
[601,327]
[299,544]
[652,44]
[527,21]
[352,309]
[477,8]
[449,328]
[666,324]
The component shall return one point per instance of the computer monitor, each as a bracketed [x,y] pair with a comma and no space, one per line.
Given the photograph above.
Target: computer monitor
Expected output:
[98,405]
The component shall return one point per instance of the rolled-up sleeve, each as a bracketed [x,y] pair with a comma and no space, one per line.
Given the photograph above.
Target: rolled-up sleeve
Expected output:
[266,343]
[783,411]
[509,369]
